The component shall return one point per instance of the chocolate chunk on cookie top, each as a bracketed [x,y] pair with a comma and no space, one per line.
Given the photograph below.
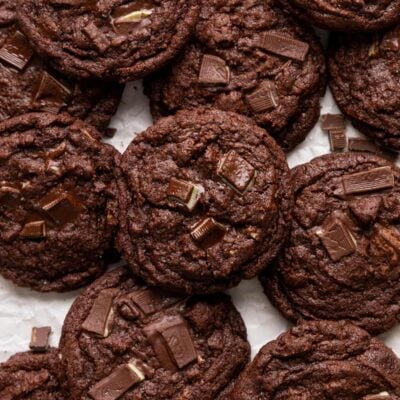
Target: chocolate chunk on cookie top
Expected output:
[57,201]
[30,376]
[204,201]
[342,259]
[114,39]
[250,58]
[156,346]
[364,78]
[28,84]
[322,360]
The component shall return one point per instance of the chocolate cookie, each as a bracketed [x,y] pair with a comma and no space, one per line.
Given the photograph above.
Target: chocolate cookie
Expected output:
[204,201]
[123,340]
[27,84]
[341,260]
[115,39]
[346,15]
[322,360]
[365,81]
[247,57]
[57,201]
[29,376]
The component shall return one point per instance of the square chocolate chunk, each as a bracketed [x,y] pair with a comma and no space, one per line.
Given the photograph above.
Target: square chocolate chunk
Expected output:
[214,71]
[186,193]
[208,232]
[16,51]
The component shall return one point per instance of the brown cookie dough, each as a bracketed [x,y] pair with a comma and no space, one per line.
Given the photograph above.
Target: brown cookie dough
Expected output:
[122,340]
[114,39]
[204,201]
[57,201]
[250,58]
[341,260]
[322,360]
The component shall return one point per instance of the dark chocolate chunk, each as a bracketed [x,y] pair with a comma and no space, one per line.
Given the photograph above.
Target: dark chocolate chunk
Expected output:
[283,45]
[171,342]
[356,144]
[208,232]
[61,207]
[9,195]
[214,71]
[184,192]
[337,139]
[40,339]
[366,209]
[337,238]
[51,95]
[236,172]
[34,230]
[100,316]
[16,51]
[119,382]
[264,98]
[332,122]
[128,16]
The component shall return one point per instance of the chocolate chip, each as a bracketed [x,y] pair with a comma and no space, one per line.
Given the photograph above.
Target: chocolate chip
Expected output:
[125,18]
[367,181]
[117,383]
[214,71]
[332,122]
[40,339]
[171,342]
[100,316]
[264,98]
[34,230]
[186,193]
[16,51]
[62,208]
[208,232]
[366,209]
[283,45]
[236,172]
[51,95]
[337,238]
[337,139]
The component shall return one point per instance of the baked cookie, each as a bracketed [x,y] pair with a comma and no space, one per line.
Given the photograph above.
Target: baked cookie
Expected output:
[365,81]
[57,201]
[247,57]
[341,260]
[123,340]
[346,15]
[322,360]
[32,376]
[114,39]
[204,201]
[27,84]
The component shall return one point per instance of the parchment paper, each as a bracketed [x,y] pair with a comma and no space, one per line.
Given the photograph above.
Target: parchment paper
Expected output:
[21,309]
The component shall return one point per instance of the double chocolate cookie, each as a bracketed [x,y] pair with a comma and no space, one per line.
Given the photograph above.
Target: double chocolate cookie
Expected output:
[204,201]
[115,39]
[31,376]
[342,259]
[123,340]
[27,84]
[346,15]
[322,360]
[365,81]
[247,57]
[57,201]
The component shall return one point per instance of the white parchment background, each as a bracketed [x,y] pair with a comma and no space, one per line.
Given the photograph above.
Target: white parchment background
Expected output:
[21,309]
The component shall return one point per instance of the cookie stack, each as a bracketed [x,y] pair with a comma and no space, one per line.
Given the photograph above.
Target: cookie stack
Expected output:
[204,198]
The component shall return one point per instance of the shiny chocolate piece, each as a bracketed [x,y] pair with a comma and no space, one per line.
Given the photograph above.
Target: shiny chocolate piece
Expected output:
[171,341]
[332,122]
[34,230]
[214,71]
[264,98]
[337,238]
[16,51]
[117,383]
[186,193]
[236,172]
[207,233]
[367,181]
[40,339]
[51,95]
[62,208]
[100,317]
[283,45]
[125,18]
[337,139]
